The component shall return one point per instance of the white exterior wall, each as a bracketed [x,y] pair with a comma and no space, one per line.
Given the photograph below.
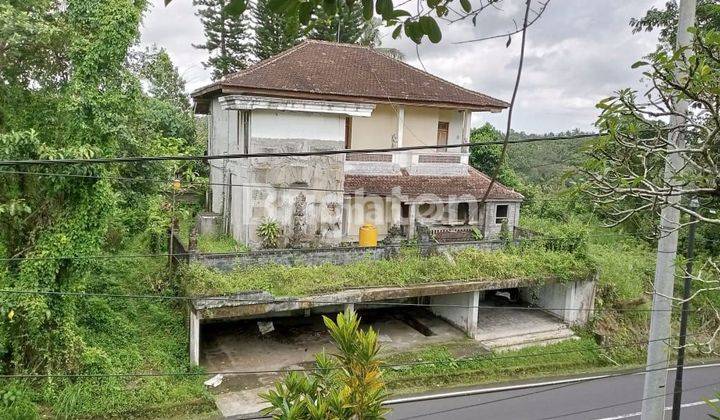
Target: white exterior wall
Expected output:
[293,125]
[461,310]
[577,296]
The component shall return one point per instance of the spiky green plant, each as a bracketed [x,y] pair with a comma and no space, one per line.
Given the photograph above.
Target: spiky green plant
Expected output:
[346,385]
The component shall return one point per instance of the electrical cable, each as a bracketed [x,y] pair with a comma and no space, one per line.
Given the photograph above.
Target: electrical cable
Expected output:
[178,158]
[271,371]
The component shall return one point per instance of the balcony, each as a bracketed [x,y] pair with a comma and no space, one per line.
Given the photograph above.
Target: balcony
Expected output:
[412,162]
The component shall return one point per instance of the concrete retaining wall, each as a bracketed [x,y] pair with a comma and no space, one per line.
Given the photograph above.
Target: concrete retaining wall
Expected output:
[577,297]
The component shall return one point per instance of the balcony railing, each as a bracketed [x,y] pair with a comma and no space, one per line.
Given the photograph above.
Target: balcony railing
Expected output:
[414,162]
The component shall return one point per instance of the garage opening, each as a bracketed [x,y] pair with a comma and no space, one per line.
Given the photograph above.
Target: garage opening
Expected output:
[507,320]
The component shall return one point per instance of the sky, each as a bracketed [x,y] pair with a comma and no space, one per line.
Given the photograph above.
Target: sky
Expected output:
[577,53]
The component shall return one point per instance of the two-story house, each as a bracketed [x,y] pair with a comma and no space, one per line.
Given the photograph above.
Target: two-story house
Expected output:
[321,96]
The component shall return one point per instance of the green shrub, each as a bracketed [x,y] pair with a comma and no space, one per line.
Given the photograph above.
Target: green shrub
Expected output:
[16,402]
[269,232]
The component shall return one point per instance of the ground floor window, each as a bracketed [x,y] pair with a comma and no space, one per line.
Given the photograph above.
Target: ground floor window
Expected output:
[501,213]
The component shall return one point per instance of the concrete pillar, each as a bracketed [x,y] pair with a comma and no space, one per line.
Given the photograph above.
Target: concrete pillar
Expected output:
[459,309]
[400,125]
[194,337]
[412,216]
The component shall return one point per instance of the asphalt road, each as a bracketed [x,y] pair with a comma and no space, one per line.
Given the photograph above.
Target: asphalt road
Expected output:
[606,398]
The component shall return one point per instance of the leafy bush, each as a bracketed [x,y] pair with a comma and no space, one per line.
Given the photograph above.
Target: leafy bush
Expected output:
[347,385]
[269,232]
[570,236]
[16,403]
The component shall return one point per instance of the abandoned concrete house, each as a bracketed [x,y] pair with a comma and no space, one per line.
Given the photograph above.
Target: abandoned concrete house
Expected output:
[321,96]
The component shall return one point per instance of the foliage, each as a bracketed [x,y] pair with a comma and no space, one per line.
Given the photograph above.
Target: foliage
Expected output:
[715,406]
[486,159]
[269,232]
[533,264]
[557,236]
[67,91]
[438,365]
[16,402]
[165,83]
[345,24]
[665,19]
[227,37]
[346,385]
[625,169]
[274,32]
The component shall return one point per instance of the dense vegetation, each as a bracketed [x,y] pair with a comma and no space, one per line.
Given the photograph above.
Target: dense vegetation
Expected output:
[531,263]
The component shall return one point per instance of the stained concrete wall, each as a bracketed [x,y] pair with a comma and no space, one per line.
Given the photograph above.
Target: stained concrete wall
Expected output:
[573,302]
[268,187]
[492,229]
[459,309]
[375,132]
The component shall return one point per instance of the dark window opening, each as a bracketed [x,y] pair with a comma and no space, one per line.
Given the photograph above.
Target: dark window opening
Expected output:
[501,213]
[348,132]
[463,212]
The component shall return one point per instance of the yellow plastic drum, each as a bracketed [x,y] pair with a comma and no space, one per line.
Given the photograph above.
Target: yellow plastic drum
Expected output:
[368,235]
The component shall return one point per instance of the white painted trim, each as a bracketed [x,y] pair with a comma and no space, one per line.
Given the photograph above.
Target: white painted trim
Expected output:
[242,102]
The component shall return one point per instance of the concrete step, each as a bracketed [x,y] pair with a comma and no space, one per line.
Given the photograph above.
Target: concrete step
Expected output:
[521,340]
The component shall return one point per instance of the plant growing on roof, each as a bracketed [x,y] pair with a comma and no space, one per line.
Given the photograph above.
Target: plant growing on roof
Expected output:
[269,232]
[346,385]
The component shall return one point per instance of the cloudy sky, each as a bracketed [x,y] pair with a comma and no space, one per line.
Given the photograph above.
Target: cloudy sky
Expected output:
[578,52]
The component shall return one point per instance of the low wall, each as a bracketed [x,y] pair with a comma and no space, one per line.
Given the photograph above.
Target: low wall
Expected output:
[291,257]
[328,255]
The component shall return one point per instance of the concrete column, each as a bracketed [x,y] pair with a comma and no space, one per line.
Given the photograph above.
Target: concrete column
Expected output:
[459,309]
[400,125]
[412,216]
[194,337]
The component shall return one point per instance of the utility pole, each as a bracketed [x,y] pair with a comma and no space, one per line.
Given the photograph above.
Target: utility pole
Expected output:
[677,392]
[654,393]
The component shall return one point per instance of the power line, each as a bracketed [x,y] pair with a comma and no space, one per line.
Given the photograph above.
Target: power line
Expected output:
[130,159]
[538,238]
[310,301]
[271,371]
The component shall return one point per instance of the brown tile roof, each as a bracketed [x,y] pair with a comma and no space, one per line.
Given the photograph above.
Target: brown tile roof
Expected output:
[412,186]
[326,70]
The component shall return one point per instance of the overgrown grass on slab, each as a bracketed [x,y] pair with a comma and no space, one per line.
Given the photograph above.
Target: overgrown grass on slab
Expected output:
[407,270]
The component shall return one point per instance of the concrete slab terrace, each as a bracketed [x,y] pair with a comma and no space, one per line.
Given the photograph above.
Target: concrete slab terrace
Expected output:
[258,304]
[239,346]
[513,327]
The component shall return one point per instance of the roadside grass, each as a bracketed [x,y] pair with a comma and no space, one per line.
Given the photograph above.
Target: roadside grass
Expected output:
[567,357]
[130,335]
[531,263]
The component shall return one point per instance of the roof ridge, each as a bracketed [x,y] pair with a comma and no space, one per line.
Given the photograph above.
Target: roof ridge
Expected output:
[438,78]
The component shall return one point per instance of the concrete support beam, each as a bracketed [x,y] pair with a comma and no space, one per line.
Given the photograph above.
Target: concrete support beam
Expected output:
[194,337]
[459,309]
[400,125]
[412,219]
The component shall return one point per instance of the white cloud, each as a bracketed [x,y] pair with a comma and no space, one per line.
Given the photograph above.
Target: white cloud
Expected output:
[577,53]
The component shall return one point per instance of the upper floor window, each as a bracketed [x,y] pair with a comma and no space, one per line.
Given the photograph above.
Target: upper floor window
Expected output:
[501,213]
[442,134]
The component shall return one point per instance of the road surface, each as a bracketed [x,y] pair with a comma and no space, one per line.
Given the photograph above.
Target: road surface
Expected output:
[606,398]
